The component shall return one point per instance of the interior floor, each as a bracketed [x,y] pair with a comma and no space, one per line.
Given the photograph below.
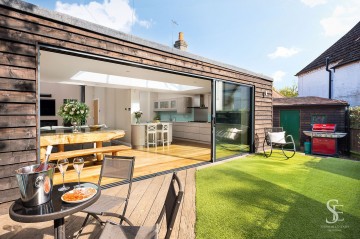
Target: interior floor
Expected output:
[147,161]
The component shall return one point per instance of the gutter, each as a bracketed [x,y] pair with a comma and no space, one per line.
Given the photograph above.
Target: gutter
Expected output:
[330,80]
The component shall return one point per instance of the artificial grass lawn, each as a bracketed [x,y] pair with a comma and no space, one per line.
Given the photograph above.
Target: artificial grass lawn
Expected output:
[257,197]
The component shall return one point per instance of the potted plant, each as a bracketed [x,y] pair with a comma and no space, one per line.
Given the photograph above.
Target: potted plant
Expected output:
[74,112]
[157,118]
[138,115]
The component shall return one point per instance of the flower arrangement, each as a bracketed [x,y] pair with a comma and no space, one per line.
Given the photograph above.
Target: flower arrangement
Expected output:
[138,115]
[74,111]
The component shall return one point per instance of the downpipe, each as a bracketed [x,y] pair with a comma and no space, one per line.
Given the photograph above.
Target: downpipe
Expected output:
[330,80]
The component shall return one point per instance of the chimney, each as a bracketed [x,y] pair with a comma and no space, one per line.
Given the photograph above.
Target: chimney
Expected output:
[181,43]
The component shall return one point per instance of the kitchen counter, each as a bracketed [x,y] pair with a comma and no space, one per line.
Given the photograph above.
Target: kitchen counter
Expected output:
[193,131]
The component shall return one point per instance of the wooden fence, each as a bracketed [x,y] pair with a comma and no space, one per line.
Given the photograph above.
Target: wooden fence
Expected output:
[355,140]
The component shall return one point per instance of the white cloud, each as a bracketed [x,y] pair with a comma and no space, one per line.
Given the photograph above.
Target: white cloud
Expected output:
[115,14]
[343,18]
[278,75]
[313,3]
[283,52]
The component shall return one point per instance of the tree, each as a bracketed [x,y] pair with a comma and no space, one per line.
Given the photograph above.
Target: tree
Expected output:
[289,91]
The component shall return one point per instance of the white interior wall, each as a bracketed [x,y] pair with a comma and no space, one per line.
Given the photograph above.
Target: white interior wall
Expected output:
[59,92]
[122,113]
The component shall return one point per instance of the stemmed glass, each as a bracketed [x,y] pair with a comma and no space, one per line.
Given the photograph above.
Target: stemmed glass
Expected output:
[78,164]
[62,164]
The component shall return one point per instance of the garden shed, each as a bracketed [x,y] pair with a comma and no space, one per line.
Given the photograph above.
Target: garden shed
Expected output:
[299,113]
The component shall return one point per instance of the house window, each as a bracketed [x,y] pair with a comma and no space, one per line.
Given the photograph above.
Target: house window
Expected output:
[318,119]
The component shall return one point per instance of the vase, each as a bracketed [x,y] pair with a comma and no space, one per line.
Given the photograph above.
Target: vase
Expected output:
[138,120]
[76,126]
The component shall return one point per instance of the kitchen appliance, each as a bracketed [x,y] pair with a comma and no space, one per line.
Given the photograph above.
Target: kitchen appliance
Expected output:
[200,114]
[324,139]
[198,102]
[35,187]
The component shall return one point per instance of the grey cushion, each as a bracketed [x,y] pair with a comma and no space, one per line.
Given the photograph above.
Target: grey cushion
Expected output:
[113,231]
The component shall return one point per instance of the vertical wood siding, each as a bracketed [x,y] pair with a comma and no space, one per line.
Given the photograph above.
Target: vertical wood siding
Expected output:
[20,33]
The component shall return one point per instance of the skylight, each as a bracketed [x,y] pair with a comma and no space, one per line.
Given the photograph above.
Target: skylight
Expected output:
[86,76]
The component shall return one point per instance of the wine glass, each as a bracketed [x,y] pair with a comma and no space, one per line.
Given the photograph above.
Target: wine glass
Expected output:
[62,164]
[78,164]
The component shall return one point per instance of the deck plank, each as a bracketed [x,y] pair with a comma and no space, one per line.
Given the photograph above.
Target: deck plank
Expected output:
[144,207]
[188,213]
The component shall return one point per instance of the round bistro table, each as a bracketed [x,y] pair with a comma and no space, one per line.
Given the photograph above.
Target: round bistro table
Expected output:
[55,209]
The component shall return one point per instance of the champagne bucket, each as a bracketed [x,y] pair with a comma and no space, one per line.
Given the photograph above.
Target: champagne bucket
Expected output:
[35,187]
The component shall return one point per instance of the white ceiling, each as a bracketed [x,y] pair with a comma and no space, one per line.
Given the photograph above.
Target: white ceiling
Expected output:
[61,68]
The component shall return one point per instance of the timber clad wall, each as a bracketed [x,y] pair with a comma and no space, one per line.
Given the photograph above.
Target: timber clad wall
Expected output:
[334,115]
[20,32]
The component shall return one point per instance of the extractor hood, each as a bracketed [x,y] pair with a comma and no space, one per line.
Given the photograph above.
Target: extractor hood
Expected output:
[198,102]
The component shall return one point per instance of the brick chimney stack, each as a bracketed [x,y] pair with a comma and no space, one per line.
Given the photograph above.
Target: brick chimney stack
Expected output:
[181,43]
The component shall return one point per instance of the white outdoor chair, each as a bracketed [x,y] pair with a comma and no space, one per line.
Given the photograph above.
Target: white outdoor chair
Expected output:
[275,137]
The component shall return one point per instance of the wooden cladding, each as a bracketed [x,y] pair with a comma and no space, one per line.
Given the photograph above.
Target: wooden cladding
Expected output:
[17,85]
[20,34]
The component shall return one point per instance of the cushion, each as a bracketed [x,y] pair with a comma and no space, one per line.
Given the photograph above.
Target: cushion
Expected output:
[277,137]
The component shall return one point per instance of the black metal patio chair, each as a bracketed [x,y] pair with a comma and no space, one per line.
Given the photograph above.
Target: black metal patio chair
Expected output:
[275,138]
[169,210]
[119,167]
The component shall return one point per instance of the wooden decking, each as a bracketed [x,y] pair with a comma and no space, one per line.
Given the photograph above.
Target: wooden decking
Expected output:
[145,203]
[148,161]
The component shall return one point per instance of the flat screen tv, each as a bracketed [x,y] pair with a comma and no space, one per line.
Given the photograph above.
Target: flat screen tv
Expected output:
[47,107]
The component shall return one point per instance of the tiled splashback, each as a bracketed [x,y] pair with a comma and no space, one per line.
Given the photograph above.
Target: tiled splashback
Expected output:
[169,116]
[173,116]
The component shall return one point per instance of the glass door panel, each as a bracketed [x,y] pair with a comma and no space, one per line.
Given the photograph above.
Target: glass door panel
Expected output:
[233,119]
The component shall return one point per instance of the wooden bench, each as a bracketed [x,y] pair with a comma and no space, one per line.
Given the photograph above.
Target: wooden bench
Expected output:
[83,152]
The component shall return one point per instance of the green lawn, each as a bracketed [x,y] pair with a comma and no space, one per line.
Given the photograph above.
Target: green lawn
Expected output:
[255,197]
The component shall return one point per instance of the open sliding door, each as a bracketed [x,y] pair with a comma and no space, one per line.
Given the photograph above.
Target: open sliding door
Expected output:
[232,119]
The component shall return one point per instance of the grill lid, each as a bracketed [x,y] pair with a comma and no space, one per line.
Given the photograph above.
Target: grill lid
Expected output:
[324,127]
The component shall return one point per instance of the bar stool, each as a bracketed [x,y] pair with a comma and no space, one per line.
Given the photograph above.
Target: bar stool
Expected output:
[164,130]
[151,133]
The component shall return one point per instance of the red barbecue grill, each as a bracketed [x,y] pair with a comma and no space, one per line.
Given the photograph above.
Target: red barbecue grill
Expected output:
[324,139]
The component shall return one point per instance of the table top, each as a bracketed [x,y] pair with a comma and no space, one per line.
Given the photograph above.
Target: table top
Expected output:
[54,209]
[83,137]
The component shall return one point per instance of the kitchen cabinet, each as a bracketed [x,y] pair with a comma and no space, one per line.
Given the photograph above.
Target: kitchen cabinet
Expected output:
[182,105]
[207,101]
[156,105]
[179,105]
[164,104]
[191,131]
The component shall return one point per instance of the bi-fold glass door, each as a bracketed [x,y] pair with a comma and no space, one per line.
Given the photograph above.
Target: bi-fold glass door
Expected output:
[232,119]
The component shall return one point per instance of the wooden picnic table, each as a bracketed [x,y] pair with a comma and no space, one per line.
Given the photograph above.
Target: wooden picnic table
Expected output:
[60,139]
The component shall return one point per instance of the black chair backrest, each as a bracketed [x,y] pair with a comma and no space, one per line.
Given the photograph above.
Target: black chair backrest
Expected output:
[121,167]
[172,204]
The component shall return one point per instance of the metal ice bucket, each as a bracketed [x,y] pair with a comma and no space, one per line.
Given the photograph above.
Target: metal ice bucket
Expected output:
[35,187]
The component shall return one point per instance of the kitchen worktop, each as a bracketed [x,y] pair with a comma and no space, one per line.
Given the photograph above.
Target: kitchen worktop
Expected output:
[151,123]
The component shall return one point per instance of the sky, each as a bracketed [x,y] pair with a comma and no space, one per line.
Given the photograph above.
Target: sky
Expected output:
[275,38]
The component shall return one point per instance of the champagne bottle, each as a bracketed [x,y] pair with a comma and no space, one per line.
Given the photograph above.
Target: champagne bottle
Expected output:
[44,166]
